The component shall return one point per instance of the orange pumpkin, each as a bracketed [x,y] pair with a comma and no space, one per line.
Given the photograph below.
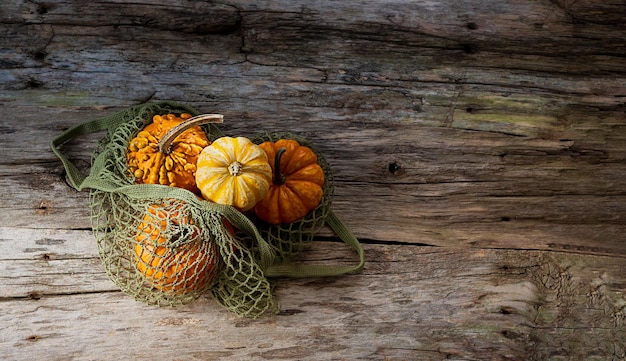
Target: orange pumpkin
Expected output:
[190,266]
[297,182]
[178,167]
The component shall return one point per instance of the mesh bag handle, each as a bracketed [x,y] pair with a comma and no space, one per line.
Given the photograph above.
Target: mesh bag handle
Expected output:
[296,270]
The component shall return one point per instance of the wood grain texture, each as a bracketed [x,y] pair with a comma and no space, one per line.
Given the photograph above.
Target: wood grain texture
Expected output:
[478,147]
[428,303]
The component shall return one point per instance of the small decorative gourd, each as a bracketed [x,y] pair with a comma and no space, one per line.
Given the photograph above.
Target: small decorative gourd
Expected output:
[297,182]
[233,171]
[187,267]
[174,166]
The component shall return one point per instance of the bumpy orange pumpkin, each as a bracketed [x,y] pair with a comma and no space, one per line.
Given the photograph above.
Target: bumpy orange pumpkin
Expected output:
[296,183]
[177,168]
[188,267]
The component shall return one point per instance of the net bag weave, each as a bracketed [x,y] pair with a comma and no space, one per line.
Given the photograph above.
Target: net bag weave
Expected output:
[166,246]
[288,239]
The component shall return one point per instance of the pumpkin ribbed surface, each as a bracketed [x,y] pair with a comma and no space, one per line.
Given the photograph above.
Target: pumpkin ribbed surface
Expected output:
[297,182]
[233,171]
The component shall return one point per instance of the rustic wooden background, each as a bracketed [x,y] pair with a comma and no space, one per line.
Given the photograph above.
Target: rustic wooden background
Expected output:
[479,149]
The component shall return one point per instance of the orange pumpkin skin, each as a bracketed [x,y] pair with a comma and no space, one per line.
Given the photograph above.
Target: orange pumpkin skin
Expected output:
[178,168]
[297,190]
[189,267]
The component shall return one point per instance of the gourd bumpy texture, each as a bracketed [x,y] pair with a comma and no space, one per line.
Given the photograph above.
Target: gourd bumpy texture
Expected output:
[178,168]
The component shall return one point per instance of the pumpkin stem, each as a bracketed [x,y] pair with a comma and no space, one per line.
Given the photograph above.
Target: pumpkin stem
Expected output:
[279,177]
[235,169]
[165,144]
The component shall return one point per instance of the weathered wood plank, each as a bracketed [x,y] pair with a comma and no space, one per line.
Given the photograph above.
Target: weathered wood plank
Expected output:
[49,262]
[494,304]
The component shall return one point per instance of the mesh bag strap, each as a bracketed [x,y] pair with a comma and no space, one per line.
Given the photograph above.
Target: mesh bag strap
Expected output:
[74,176]
[297,270]
[108,123]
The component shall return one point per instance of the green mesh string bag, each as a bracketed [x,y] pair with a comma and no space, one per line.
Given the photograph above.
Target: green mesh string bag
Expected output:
[166,246]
